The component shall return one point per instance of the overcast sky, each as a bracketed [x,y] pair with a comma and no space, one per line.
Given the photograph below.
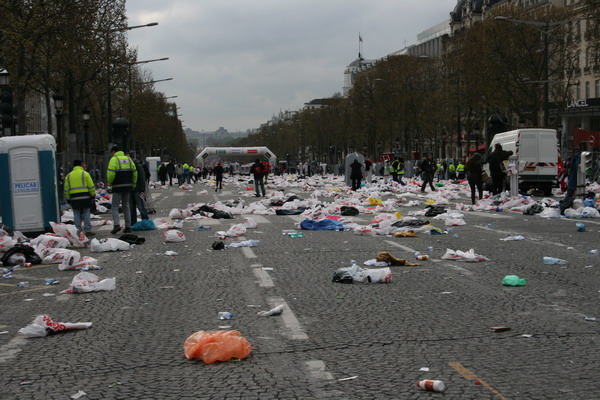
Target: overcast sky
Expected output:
[236,63]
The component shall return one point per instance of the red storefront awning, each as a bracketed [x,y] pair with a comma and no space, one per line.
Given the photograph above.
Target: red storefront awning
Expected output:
[480,148]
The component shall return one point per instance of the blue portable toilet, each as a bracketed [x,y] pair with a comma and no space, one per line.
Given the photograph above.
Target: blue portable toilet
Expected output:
[153,163]
[28,184]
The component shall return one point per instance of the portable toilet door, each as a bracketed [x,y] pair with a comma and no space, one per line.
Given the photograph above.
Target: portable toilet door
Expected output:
[153,163]
[28,183]
[349,160]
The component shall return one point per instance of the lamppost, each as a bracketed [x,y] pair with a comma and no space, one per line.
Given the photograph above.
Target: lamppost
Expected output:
[545,29]
[58,108]
[130,105]
[109,71]
[85,116]
[6,104]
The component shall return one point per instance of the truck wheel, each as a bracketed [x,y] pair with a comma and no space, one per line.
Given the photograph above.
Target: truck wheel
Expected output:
[547,190]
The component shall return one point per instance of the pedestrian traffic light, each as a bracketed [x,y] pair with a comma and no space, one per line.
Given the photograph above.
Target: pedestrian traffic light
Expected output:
[6,109]
[585,165]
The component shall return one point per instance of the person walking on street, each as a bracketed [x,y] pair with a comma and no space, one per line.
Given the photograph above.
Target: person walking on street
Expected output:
[356,174]
[460,170]
[146,173]
[395,166]
[427,166]
[219,170]
[162,173]
[171,171]
[122,177]
[475,176]
[369,170]
[179,173]
[497,173]
[136,200]
[186,173]
[80,193]
[452,171]
[400,171]
[257,170]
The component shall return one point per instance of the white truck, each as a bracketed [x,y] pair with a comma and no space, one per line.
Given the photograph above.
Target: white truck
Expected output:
[537,153]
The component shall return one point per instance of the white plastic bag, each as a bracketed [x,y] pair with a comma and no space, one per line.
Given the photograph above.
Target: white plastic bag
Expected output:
[6,243]
[249,223]
[70,232]
[468,256]
[236,230]
[108,244]
[378,275]
[74,261]
[173,235]
[43,325]
[178,213]
[55,256]
[85,282]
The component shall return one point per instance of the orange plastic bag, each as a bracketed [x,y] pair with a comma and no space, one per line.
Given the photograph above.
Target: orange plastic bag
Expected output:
[213,346]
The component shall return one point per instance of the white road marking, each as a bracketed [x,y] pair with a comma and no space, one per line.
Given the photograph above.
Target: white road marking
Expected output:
[256,265]
[248,253]
[263,277]
[209,221]
[289,319]
[104,228]
[514,234]
[297,218]
[155,195]
[12,348]
[178,194]
[317,370]
[401,246]
[494,215]
[460,269]
[64,297]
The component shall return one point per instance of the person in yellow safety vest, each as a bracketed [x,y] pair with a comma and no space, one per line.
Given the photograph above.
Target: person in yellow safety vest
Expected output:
[452,170]
[394,167]
[438,170]
[122,177]
[400,171]
[186,173]
[80,192]
[460,169]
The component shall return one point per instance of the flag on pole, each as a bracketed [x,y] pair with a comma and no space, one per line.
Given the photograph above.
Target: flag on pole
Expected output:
[359,38]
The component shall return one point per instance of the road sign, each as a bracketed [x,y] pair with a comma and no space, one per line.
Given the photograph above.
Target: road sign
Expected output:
[592,141]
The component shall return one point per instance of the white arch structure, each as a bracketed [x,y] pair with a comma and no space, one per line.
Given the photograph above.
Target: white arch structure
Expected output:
[237,153]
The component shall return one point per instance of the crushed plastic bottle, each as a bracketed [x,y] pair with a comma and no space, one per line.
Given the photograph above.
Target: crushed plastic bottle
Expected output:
[580,227]
[23,284]
[225,315]
[513,280]
[431,385]
[554,260]
[595,251]
[296,234]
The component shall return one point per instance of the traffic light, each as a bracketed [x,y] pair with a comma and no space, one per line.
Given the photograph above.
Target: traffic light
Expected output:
[6,110]
[585,165]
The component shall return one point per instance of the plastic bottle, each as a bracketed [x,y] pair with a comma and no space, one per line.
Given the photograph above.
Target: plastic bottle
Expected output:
[595,251]
[580,227]
[225,315]
[50,281]
[553,260]
[422,257]
[431,385]
[513,280]
[296,234]
[23,284]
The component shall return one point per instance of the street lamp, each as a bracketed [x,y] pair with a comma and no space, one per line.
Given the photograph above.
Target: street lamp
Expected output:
[545,28]
[58,107]
[108,51]
[6,103]
[85,116]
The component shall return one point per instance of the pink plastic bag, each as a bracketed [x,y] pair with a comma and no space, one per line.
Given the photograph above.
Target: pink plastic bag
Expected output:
[213,346]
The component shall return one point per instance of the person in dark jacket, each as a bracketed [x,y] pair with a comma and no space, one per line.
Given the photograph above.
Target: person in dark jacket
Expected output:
[356,174]
[136,200]
[219,170]
[146,173]
[428,168]
[162,173]
[475,176]
[257,170]
[171,172]
[497,173]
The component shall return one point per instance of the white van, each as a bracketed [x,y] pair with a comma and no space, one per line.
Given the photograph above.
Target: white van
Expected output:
[537,152]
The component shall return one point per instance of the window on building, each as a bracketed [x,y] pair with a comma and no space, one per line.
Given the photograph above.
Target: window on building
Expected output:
[578,30]
[577,57]
[588,51]
[578,91]
[587,90]
[597,88]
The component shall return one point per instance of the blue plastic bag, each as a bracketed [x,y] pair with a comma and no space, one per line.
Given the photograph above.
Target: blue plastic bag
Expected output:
[322,225]
[144,225]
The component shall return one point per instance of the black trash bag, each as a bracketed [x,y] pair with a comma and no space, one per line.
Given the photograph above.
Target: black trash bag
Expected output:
[414,222]
[218,245]
[207,208]
[435,210]
[534,209]
[218,214]
[342,277]
[132,238]
[290,212]
[28,251]
[292,198]
[349,211]
[198,211]
[276,203]
[565,203]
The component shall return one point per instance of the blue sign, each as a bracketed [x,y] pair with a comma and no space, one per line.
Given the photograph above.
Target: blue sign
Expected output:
[26,187]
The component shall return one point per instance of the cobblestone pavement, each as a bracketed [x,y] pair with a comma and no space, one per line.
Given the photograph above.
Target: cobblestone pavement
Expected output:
[333,340]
